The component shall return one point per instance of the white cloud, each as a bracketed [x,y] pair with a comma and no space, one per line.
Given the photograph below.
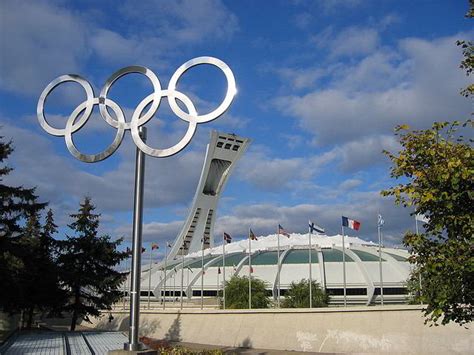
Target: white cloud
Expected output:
[424,88]
[64,181]
[264,219]
[270,174]
[41,40]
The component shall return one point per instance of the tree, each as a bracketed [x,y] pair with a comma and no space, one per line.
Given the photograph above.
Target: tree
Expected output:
[297,295]
[40,251]
[17,205]
[86,262]
[237,293]
[437,166]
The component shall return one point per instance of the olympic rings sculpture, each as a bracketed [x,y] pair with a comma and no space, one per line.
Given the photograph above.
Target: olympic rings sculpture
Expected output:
[83,111]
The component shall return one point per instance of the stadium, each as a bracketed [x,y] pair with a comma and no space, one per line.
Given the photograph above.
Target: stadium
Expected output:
[194,267]
[206,270]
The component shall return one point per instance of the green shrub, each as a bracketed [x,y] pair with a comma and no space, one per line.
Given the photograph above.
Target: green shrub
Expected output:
[237,293]
[297,295]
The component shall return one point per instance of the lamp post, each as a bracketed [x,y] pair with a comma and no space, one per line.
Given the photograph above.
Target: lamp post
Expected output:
[144,111]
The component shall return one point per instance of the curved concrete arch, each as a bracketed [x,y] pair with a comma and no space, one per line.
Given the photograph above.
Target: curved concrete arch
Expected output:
[198,275]
[275,282]
[365,274]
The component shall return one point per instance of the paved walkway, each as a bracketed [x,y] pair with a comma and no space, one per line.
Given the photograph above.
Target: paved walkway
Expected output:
[63,343]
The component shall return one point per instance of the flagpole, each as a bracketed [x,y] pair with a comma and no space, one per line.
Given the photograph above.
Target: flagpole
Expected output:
[416,224]
[223,271]
[310,267]
[164,289]
[129,286]
[278,268]
[125,284]
[344,266]
[149,276]
[250,271]
[419,275]
[182,277]
[218,285]
[174,285]
[202,273]
[380,261]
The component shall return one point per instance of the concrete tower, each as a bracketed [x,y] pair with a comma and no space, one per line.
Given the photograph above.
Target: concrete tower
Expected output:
[223,151]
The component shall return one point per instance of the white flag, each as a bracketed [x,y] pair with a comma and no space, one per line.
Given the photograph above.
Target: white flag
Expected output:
[380,221]
[422,218]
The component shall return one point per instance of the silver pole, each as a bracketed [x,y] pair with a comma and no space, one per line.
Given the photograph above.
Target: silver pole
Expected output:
[278,268]
[218,285]
[419,275]
[344,266]
[174,285]
[250,271]
[223,272]
[380,264]
[149,276]
[182,277]
[202,274]
[133,344]
[310,271]
[125,282]
[164,288]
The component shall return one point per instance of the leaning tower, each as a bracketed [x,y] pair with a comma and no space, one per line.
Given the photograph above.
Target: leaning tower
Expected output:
[223,151]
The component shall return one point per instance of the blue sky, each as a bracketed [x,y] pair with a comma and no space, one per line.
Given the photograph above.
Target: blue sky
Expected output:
[321,85]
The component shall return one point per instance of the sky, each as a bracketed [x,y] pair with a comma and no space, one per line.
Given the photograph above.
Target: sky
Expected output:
[321,86]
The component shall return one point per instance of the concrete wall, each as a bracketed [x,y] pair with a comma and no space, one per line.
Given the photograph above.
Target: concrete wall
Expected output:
[389,329]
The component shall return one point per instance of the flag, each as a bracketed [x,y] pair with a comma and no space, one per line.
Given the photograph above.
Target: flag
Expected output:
[282,230]
[219,270]
[154,246]
[251,269]
[252,235]
[422,218]
[143,249]
[227,237]
[315,228]
[380,221]
[351,223]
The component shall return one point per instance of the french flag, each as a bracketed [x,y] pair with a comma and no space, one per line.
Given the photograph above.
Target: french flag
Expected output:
[350,223]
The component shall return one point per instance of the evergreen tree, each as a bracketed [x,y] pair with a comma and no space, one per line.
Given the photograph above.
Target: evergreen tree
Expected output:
[40,282]
[17,204]
[86,262]
[297,295]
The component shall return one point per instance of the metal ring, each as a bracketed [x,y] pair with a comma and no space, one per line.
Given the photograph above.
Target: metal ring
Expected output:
[229,97]
[117,75]
[161,153]
[92,158]
[44,95]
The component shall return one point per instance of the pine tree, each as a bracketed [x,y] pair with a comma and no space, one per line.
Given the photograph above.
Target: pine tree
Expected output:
[17,204]
[86,263]
[40,264]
